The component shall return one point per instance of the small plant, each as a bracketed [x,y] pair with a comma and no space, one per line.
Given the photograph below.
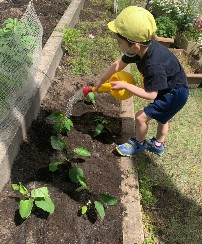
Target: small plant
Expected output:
[100,205]
[59,144]
[63,124]
[38,197]
[70,38]
[101,124]
[76,175]
[91,96]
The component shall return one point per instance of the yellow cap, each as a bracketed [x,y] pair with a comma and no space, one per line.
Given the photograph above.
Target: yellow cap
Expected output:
[134,23]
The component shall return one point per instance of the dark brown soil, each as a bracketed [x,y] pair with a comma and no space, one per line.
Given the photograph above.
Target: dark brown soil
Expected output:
[48,11]
[101,170]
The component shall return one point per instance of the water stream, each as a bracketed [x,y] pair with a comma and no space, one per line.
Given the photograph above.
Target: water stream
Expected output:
[73,100]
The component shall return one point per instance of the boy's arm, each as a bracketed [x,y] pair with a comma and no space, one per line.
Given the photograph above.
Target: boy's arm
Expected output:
[118,65]
[140,92]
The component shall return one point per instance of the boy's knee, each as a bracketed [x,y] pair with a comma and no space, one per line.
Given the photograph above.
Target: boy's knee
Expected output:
[140,117]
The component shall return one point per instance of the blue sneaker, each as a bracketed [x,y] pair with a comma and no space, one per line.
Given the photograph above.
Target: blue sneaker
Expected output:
[131,148]
[153,148]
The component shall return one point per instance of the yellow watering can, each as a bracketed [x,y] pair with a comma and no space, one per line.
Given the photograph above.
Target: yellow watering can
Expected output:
[106,87]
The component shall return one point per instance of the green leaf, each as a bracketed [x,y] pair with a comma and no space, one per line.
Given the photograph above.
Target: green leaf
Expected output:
[84,209]
[81,188]
[67,123]
[70,155]
[100,208]
[25,208]
[23,190]
[74,173]
[53,166]
[82,152]
[58,143]
[46,204]
[98,130]
[82,181]
[15,187]
[41,192]
[57,127]
[54,115]
[108,199]
[92,97]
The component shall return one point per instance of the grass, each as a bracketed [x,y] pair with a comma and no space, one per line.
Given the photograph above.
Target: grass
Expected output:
[90,45]
[170,185]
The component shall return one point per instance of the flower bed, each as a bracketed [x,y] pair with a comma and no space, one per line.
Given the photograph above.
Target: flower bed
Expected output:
[191,67]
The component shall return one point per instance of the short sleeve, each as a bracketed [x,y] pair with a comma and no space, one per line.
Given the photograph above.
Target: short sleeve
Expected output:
[130,60]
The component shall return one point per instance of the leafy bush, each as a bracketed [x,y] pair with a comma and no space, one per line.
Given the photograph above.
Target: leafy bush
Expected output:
[182,12]
[166,27]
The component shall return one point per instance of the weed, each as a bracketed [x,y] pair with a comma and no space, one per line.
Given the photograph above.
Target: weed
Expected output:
[83,51]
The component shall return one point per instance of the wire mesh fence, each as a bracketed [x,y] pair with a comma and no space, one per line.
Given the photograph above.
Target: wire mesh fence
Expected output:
[20,50]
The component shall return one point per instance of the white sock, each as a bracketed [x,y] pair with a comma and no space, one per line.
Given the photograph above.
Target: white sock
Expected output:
[158,144]
[141,143]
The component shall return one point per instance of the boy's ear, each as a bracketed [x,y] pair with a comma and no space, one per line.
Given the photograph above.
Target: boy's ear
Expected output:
[137,46]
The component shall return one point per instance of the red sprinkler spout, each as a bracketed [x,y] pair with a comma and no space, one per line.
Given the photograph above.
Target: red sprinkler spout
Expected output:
[86,90]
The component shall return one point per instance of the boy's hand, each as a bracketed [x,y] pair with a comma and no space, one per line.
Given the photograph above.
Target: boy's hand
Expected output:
[98,85]
[118,85]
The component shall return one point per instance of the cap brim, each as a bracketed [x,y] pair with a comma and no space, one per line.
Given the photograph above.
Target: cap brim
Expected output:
[112,27]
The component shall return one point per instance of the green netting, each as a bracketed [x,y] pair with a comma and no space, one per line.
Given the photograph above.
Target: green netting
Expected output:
[20,49]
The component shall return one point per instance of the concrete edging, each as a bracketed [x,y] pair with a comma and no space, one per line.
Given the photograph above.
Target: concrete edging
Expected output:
[132,217]
[50,59]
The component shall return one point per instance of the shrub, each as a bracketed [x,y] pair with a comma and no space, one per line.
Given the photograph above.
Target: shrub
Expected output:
[182,12]
[166,27]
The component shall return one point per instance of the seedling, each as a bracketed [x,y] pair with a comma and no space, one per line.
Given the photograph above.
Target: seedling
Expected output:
[62,123]
[58,143]
[77,176]
[38,197]
[91,96]
[53,166]
[101,125]
[100,205]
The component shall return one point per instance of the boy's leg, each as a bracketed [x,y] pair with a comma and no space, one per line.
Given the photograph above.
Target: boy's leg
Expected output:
[141,125]
[138,144]
[156,145]
[162,131]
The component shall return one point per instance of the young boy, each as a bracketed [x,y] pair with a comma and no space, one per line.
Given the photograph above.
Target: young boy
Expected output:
[164,80]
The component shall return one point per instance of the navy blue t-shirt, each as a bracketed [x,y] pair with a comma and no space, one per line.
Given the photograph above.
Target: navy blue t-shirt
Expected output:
[160,68]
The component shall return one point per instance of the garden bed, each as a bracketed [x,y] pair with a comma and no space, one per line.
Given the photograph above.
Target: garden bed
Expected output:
[101,170]
[191,67]
[49,12]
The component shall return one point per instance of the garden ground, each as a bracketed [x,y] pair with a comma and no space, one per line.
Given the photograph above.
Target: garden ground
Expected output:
[170,185]
[101,170]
